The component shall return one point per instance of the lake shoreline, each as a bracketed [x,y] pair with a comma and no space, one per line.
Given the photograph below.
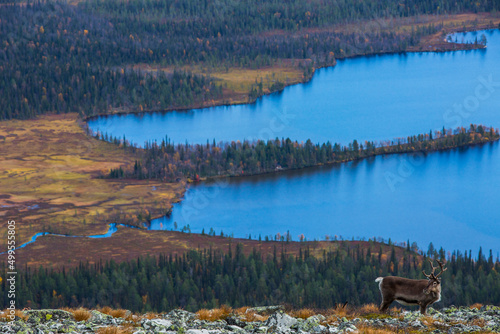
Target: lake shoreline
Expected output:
[437,45]
[284,170]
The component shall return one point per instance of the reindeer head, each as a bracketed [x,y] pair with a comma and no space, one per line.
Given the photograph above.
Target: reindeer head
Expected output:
[434,285]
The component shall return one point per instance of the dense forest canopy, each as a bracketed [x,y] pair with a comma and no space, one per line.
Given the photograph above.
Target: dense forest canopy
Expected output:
[207,279]
[60,57]
[239,17]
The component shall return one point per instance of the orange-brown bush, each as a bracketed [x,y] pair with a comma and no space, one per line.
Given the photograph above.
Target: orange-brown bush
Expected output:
[368,308]
[118,313]
[476,306]
[215,314]
[18,313]
[205,314]
[81,314]
[226,311]
[105,310]
[241,310]
[341,311]
[395,310]
[370,330]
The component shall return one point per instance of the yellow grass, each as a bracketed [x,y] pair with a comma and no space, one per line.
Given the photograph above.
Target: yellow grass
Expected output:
[50,180]
[237,82]
[241,80]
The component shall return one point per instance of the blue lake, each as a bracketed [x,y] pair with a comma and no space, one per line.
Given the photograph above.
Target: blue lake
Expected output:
[448,198]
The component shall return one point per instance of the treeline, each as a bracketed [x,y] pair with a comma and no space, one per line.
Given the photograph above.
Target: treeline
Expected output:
[57,57]
[168,161]
[207,279]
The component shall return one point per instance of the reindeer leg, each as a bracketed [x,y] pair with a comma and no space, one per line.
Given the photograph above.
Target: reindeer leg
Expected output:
[385,305]
[423,309]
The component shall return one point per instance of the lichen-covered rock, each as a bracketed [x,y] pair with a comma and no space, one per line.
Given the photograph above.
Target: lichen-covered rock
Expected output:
[42,316]
[236,329]
[99,318]
[180,319]
[280,323]
[347,327]
[158,325]
[181,315]
[6,329]
[235,321]
[416,324]
[266,310]
[311,323]
[203,331]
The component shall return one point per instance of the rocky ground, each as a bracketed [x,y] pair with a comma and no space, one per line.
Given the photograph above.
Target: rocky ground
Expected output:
[448,320]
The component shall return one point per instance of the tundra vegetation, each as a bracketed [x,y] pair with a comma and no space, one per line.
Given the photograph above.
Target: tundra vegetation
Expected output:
[49,177]
[267,319]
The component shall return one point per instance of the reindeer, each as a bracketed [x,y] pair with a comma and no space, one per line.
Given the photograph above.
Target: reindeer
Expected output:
[422,292]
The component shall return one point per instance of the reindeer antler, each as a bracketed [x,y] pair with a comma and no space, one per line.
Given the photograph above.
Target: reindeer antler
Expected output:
[441,265]
[431,275]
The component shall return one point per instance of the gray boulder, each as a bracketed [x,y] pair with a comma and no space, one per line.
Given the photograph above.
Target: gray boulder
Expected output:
[311,324]
[99,318]
[280,323]
[42,316]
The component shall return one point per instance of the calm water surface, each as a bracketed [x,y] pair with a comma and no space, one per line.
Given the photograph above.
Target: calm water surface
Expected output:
[449,198]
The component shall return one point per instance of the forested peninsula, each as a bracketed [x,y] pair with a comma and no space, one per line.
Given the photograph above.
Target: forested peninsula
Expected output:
[168,161]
